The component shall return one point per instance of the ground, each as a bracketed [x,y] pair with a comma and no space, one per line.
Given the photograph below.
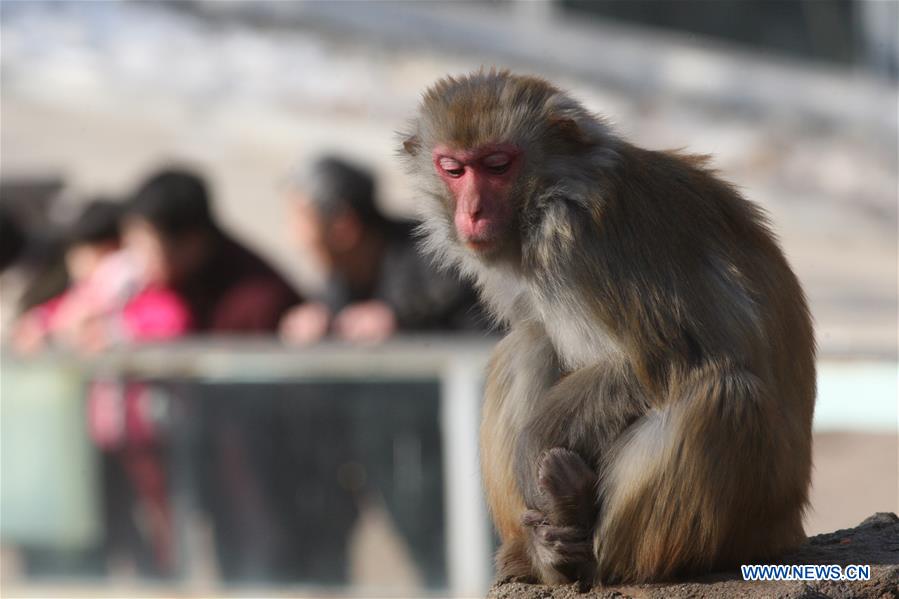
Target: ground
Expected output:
[875,542]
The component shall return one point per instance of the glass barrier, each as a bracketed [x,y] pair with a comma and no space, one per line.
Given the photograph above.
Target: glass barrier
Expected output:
[217,464]
[208,464]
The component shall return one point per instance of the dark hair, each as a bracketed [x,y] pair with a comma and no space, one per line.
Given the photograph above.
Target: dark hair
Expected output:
[12,239]
[97,223]
[175,201]
[333,185]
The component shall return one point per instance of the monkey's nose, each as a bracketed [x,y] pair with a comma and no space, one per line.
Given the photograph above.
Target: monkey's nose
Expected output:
[473,209]
[474,227]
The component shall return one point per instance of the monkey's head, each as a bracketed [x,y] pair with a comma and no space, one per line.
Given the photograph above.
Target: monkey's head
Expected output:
[487,150]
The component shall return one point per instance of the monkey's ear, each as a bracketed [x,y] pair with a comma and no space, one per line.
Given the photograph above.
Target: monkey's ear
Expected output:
[569,130]
[412,145]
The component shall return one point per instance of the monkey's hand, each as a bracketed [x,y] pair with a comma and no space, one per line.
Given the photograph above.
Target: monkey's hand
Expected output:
[561,528]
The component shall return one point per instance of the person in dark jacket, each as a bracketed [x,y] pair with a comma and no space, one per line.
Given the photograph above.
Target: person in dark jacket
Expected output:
[230,289]
[170,227]
[377,283]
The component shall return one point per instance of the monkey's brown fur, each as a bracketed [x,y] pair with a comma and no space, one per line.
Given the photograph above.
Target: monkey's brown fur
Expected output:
[652,400]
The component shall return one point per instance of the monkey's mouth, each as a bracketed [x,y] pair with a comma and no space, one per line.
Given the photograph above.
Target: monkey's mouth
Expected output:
[480,236]
[481,244]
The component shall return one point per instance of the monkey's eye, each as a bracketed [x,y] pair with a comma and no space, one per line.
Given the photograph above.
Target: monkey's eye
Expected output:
[451,167]
[497,163]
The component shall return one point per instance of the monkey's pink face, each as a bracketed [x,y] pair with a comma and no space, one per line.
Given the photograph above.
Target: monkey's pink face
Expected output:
[480,182]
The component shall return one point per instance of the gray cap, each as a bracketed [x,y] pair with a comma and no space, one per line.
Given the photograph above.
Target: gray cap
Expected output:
[333,185]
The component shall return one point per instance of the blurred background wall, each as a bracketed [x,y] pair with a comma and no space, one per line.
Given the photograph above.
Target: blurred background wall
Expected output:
[796,100]
[799,112]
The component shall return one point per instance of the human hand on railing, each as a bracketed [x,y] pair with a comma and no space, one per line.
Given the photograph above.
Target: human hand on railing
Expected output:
[365,322]
[305,324]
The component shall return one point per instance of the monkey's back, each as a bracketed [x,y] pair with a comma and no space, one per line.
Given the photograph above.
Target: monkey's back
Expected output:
[720,328]
[688,283]
[707,276]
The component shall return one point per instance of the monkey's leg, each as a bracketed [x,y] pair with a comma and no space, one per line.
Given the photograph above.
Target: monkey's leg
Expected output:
[522,371]
[513,562]
[715,477]
[557,461]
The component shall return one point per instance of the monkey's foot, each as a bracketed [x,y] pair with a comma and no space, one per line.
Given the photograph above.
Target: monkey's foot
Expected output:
[567,488]
[562,554]
[561,530]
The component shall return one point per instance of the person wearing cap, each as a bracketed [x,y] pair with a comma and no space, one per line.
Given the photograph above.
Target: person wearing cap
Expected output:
[376,281]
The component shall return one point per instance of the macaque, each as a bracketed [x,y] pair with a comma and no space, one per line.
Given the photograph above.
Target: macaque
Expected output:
[648,413]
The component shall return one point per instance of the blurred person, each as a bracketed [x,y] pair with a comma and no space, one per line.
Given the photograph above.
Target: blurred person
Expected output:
[12,284]
[93,236]
[170,227]
[32,268]
[12,239]
[376,285]
[106,301]
[376,282]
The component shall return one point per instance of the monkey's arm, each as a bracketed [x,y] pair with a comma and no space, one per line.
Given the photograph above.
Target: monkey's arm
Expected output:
[523,368]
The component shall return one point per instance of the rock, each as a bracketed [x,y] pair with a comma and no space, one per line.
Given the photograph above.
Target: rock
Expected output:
[874,542]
